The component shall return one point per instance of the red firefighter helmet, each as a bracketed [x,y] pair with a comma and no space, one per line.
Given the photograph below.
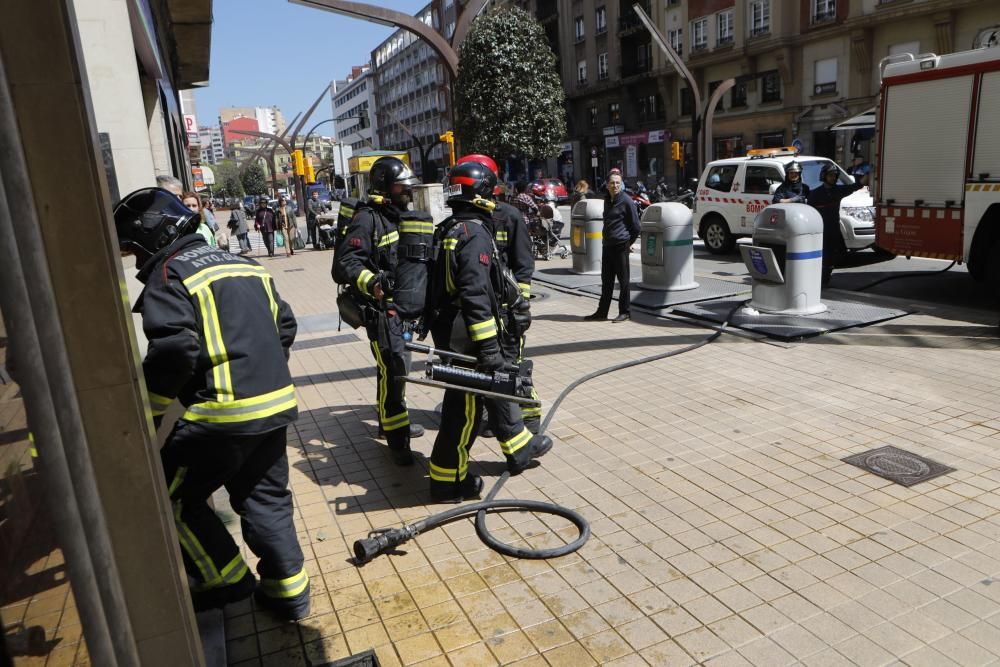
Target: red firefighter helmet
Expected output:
[484,160]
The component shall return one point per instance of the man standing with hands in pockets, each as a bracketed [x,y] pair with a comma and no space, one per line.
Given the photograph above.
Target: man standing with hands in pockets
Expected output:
[621,229]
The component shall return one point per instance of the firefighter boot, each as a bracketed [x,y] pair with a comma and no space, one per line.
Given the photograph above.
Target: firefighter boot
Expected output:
[519,461]
[399,447]
[416,430]
[455,492]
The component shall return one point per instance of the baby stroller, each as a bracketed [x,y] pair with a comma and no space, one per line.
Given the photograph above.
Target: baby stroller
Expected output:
[545,235]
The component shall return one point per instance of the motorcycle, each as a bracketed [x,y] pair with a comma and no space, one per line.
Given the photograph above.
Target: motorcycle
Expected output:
[639,196]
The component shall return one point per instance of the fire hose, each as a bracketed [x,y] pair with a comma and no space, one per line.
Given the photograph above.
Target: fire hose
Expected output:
[385,540]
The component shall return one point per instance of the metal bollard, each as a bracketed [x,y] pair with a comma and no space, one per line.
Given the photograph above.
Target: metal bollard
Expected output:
[586,235]
[667,248]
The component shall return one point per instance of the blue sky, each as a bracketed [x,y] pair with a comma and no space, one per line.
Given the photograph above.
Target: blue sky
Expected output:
[271,52]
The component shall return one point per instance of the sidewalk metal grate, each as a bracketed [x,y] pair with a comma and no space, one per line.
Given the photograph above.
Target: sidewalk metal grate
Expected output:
[365,659]
[898,465]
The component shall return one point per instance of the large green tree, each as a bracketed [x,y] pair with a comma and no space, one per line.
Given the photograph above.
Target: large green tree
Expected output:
[508,96]
[254,182]
[227,179]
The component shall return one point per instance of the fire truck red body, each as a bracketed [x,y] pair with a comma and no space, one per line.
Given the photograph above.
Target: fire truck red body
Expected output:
[938,179]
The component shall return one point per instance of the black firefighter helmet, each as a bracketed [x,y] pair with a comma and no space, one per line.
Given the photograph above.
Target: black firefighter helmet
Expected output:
[473,183]
[388,171]
[150,219]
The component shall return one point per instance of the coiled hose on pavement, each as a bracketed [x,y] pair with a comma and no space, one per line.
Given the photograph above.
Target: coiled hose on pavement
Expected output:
[385,539]
[907,274]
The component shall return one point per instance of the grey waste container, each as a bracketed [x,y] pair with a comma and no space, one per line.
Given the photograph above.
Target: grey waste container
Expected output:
[667,248]
[586,235]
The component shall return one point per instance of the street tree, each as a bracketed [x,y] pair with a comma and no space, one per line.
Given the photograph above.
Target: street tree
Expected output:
[508,96]
[227,178]
[254,182]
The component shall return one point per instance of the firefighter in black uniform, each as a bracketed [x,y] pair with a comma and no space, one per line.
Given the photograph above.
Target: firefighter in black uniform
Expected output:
[792,190]
[467,288]
[219,337]
[826,199]
[365,261]
[514,244]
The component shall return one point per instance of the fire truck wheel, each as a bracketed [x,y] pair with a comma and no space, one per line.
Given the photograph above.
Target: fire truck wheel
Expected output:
[718,239]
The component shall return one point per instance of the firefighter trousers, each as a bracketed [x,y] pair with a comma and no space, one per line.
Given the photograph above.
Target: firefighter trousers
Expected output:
[392,363]
[512,347]
[254,470]
[460,420]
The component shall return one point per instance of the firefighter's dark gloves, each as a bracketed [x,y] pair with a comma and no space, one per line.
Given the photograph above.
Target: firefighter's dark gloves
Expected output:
[522,316]
[490,358]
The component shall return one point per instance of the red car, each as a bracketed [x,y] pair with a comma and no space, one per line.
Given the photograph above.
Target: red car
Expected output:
[550,188]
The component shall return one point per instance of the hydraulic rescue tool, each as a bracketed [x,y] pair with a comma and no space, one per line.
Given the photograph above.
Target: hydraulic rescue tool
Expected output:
[511,383]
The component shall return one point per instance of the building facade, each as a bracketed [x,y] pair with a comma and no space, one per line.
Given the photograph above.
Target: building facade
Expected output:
[212,146]
[413,92]
[799,67]
[269,119]
[355,120]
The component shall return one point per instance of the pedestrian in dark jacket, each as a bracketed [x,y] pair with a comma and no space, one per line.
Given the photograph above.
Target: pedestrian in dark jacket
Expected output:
[238,227]
[266,223]
[826,199]
[621,229]
[314,207]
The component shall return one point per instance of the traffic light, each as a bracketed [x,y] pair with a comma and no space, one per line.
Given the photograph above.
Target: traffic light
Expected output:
[449,138]
[298,162]
[675,151]
[310,174]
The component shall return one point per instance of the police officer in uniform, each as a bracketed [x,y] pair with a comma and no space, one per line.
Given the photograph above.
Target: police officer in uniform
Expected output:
[365,262]
[219,337]
[510,232]
[467,289]
[792,190]
[826,199]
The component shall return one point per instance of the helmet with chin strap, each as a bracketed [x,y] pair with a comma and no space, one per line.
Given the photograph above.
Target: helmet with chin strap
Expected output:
[388,171]
[484,160]
[150,219]
[472,183]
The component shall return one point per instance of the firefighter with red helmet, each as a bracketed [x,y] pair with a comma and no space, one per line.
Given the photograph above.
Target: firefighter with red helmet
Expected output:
[365,262]
[467,288]
[510,232]
[219,337]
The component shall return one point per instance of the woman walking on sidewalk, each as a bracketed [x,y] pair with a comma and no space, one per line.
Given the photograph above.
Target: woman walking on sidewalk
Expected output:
[285,219]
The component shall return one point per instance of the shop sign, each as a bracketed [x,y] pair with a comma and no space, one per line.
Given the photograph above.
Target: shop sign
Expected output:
[611,142]
[657,136]
[613,129]
[566,148]
[631,160]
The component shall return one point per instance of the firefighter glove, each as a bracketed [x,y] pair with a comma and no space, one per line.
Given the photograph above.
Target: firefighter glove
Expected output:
[490,359]
[522,316]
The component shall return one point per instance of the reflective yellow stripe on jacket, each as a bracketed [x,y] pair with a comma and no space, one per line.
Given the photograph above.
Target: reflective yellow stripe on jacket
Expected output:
[416,227]
[244,409]
[388,239]
[483,330]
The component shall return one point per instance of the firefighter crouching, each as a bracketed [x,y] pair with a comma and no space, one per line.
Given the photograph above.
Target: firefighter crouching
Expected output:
[467,286]
[219,337]
[513,242]
[365,263]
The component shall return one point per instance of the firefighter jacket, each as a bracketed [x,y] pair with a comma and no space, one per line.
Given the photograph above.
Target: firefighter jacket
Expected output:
[514,244]
[219,337]
[367,253]
[464,275]
[826,199]
[797,192]
[621,220]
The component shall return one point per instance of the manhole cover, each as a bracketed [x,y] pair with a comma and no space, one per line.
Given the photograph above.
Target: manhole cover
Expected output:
[898,465]
[366,659]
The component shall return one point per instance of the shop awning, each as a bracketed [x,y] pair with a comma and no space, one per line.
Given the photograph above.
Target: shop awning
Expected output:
[863,121]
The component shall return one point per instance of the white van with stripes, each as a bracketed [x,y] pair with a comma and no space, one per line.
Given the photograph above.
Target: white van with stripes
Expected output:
[732,192]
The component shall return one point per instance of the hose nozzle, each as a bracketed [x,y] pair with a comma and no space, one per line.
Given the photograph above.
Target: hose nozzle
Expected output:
[379,541]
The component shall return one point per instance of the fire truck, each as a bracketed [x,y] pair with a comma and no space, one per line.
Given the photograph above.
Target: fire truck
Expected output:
[938,159]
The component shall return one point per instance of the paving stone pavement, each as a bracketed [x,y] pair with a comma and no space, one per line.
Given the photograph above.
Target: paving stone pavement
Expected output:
[726,528]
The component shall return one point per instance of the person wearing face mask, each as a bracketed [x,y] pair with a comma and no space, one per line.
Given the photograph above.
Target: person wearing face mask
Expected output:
[365,263]
[621,229]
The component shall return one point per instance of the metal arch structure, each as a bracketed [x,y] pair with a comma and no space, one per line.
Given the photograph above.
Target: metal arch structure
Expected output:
[447,51]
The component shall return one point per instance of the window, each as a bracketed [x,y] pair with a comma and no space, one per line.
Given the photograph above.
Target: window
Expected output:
[825,76]
[699,34]
[578,28]
[602,66]
[712,85]
[823,10]
[676,40]
[644,57]
[593,116]
[601,20]
[760,17]
[721,177]
[770,87]
[725,25]
[771,140]
[614,113]
[649,107]
[738,95]
[581,72]
[728,147]
[759,179]
[687,102]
